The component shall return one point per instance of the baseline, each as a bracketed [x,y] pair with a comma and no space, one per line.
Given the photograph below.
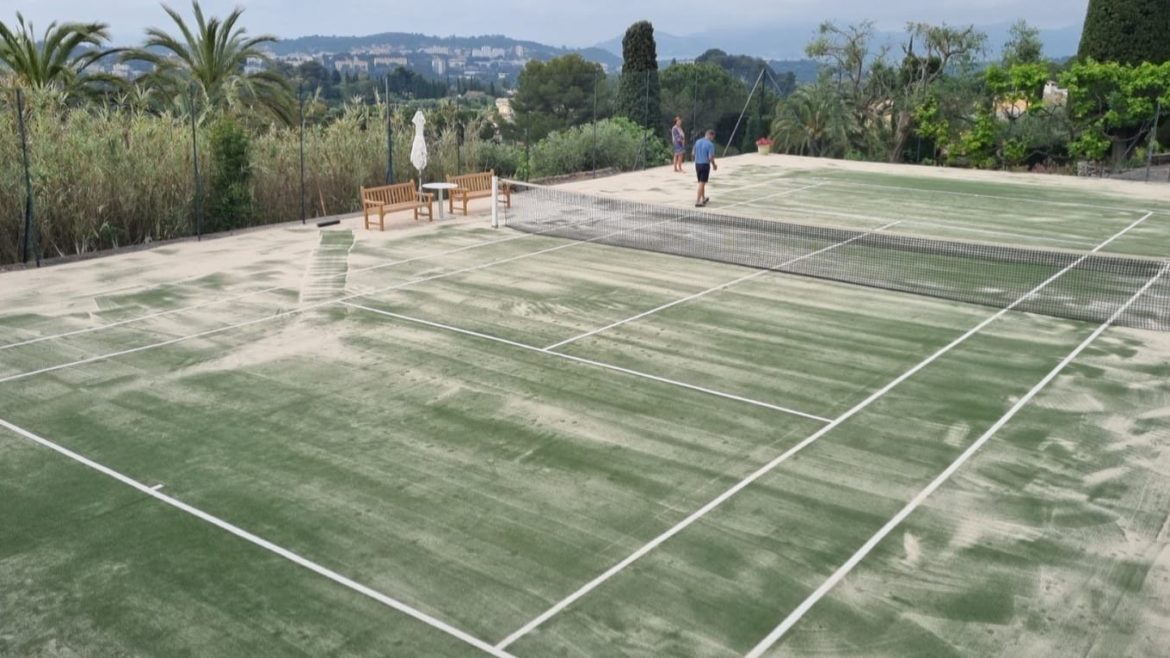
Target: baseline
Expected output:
[795,616]
[260,541]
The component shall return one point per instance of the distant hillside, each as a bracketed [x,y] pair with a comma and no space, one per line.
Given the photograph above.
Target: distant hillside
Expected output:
[787,41]
[345,44]
[805,70]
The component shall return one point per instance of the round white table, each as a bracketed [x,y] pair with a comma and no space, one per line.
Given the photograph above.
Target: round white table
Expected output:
[440,187]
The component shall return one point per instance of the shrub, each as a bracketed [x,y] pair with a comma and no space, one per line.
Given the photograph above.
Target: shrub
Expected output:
[504,159]
[617,143]
[229,199]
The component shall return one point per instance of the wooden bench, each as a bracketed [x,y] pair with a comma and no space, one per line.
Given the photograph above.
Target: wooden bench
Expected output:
[475,186]
[389,198]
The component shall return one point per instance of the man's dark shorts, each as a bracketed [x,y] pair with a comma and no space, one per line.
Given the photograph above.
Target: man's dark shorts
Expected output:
[703,171]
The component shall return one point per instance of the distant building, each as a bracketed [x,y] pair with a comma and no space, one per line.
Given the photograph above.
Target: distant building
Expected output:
[390,62]
[1011,109]
[504,107]
[456,63]
[436,50]
[254,65]
[122,71]
[487,52]
[439,65]
[353,65]
[296,59]
[1054,95]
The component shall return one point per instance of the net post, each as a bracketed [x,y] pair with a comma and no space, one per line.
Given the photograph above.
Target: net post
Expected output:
[495,201]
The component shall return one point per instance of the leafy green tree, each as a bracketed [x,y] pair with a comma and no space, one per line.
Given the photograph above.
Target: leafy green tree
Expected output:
[1112,104]
[945,52]
[59,58]
[704,95]
[616,142]
[211,55]
[861,77]
[638,89]
[744,67]
[557,94]
[1126,31]
[1024,45]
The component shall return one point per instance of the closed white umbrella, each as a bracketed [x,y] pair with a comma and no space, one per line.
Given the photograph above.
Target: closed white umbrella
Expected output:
[418,150]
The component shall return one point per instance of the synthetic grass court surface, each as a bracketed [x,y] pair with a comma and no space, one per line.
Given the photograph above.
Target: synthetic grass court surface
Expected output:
[421,440]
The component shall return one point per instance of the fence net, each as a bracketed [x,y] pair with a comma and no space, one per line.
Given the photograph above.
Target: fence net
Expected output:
[1075,285]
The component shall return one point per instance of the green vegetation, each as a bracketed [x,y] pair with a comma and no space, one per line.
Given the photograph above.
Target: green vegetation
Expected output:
[618,143]
[933,99]
[1126,31]
[561,93]
[211,55]
[230,203]
[638,89]
[58,58]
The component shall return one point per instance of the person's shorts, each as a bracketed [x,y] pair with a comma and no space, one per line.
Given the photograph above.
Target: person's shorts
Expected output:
[703,171]
[679,149]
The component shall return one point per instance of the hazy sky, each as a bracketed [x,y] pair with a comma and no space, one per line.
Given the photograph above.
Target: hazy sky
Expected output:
[556,22]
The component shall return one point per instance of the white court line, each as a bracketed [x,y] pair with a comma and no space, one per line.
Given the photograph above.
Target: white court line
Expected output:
[1071,204]
[922,222]
[795,616]
[591,362]
[300,309]
[140,318]
[721,286]
[259,541]
[716,208]
[767,468]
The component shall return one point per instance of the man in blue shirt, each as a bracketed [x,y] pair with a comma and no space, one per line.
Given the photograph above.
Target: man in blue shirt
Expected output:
[704,162]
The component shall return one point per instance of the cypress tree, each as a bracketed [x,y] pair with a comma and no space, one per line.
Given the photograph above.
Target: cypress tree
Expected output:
[1126,31]
[638,89]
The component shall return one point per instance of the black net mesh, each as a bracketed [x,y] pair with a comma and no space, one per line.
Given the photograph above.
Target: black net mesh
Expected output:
[1075,285]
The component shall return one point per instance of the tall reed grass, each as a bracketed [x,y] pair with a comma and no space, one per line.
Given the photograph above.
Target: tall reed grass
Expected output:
[108,177]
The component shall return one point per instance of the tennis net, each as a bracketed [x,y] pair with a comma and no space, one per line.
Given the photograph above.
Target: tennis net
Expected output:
[1088,287]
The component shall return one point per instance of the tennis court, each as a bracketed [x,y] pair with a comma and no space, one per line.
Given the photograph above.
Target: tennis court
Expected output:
[927,416]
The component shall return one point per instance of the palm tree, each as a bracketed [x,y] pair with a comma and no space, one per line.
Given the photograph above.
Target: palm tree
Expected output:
[59,59]
[813,121]
[212,57]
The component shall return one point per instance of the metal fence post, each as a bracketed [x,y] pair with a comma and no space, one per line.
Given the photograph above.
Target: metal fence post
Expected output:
[195,161]
[301,103]
[1153,140]
[389,136]
[645,119]
[597,82]
[31,241]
